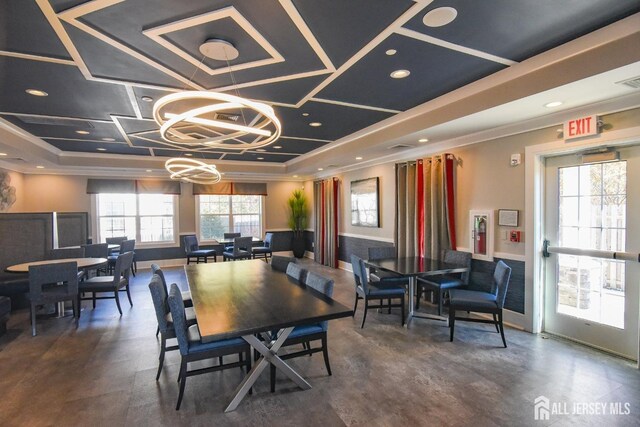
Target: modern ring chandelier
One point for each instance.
(192, 170)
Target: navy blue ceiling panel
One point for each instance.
(294, 146)
(519, 29)
(92, 147)
(24, 29)
(67, 129)
(434, 71)
(132, 125)
(70, 94)
(337, 120)
(344, 27)
(254, 157)
(160, 152)
(286, 92)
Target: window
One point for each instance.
(229, 214)
(149, 218)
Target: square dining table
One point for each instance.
(248, 298)
(412, 267)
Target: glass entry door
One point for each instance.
(593, 206)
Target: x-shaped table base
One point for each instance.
(269, 352)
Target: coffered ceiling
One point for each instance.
(103, 63)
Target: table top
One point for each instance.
(110, 247)
(230, 241)
(82, 263)
(238, 298)
(416, 266)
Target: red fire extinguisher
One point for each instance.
(481, 235)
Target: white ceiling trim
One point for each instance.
(305, 139)
(77, 119)
(452, 46)
(134, 101)
(37, 58)
(348, 104)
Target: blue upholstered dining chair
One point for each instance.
(241, 249)
(370, 291)
(192, 249)
(229, 236)
(265, 250)
(296, 272)
(306, 334)
(384, 278)
(443, 283)
(482, 302)
(52, 283)
(186, 295)
(192, 349)
(64, 253)
(107, 284)
(280, 263)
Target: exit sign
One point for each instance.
(580, 127)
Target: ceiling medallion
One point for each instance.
(192, 170)
(219, 116)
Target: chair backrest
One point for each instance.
(296, 272)
(267, 240)
(231, 235)
(127, 246)
(190, 243)
(176, 306)
(242, 244)
(381, 252)
(280, 263)
(115, 240)
(156, 270)
(459, 258)
(63, 253)
(320, 284)
(501, 276)
(122, 268)
(98, 250)
(63, 274)
(159, 296)
(359, 273)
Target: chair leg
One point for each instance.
(129, 296)
(366, 308)
(495, 319)
(93, 295)
(220, 360)
(452, 321)
(157, 331)
(355, 306)
(272, 378)
(118, 301)
(163, 344)
(33, 319)
(504, 341)
(402, 312)
(418, 293)
(389, 304)
(183, 381)
(440, 299)
(325, 353)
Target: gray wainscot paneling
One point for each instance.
(73, 228)
(481, 279)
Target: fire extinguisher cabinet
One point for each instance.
(481, 226)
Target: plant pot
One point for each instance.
(298, 246)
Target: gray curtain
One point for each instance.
(119, 186)
(436, 234)
(237, 188)
(326, 209)
(157, 186)
(405, 229)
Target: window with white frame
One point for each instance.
(148, 218)
(219, 214)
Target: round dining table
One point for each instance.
(82, 263)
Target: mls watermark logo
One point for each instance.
(544, 408)
(541, 408)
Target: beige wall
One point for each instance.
(276, 208)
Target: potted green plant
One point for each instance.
(298, 213)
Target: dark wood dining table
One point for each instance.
(412, 267)
(248, 298)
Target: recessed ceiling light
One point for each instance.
(148, 170)
(147, 99)
(277, 147)
(101, 149)
(260, 158)
(400, 74)
(423, 140)
(295, 176)
(391, 52)
(36, 92)
(3, 154)
(39, 167)
(305, 114)
(188, 154)
(82, 132)
(553, 104)
(439, 17)
(320, 169)
(358, 158)
(315, 124)
(109, 139)
(261, 150)
(221, 173)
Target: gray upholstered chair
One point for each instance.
(117, 240)
(367, 291)
(441, 284)
(96, 250)
(305, 334)
(116, 283)
(265, 250)
(52, 283)
(241, 249)
(192, 349)
(296, 272)
(280, 263)
(229, 236)
(186, 295)
(125, 246)
(159, 295)
(482, 302)
(384, 277)
(64, 253)
(192, 249)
